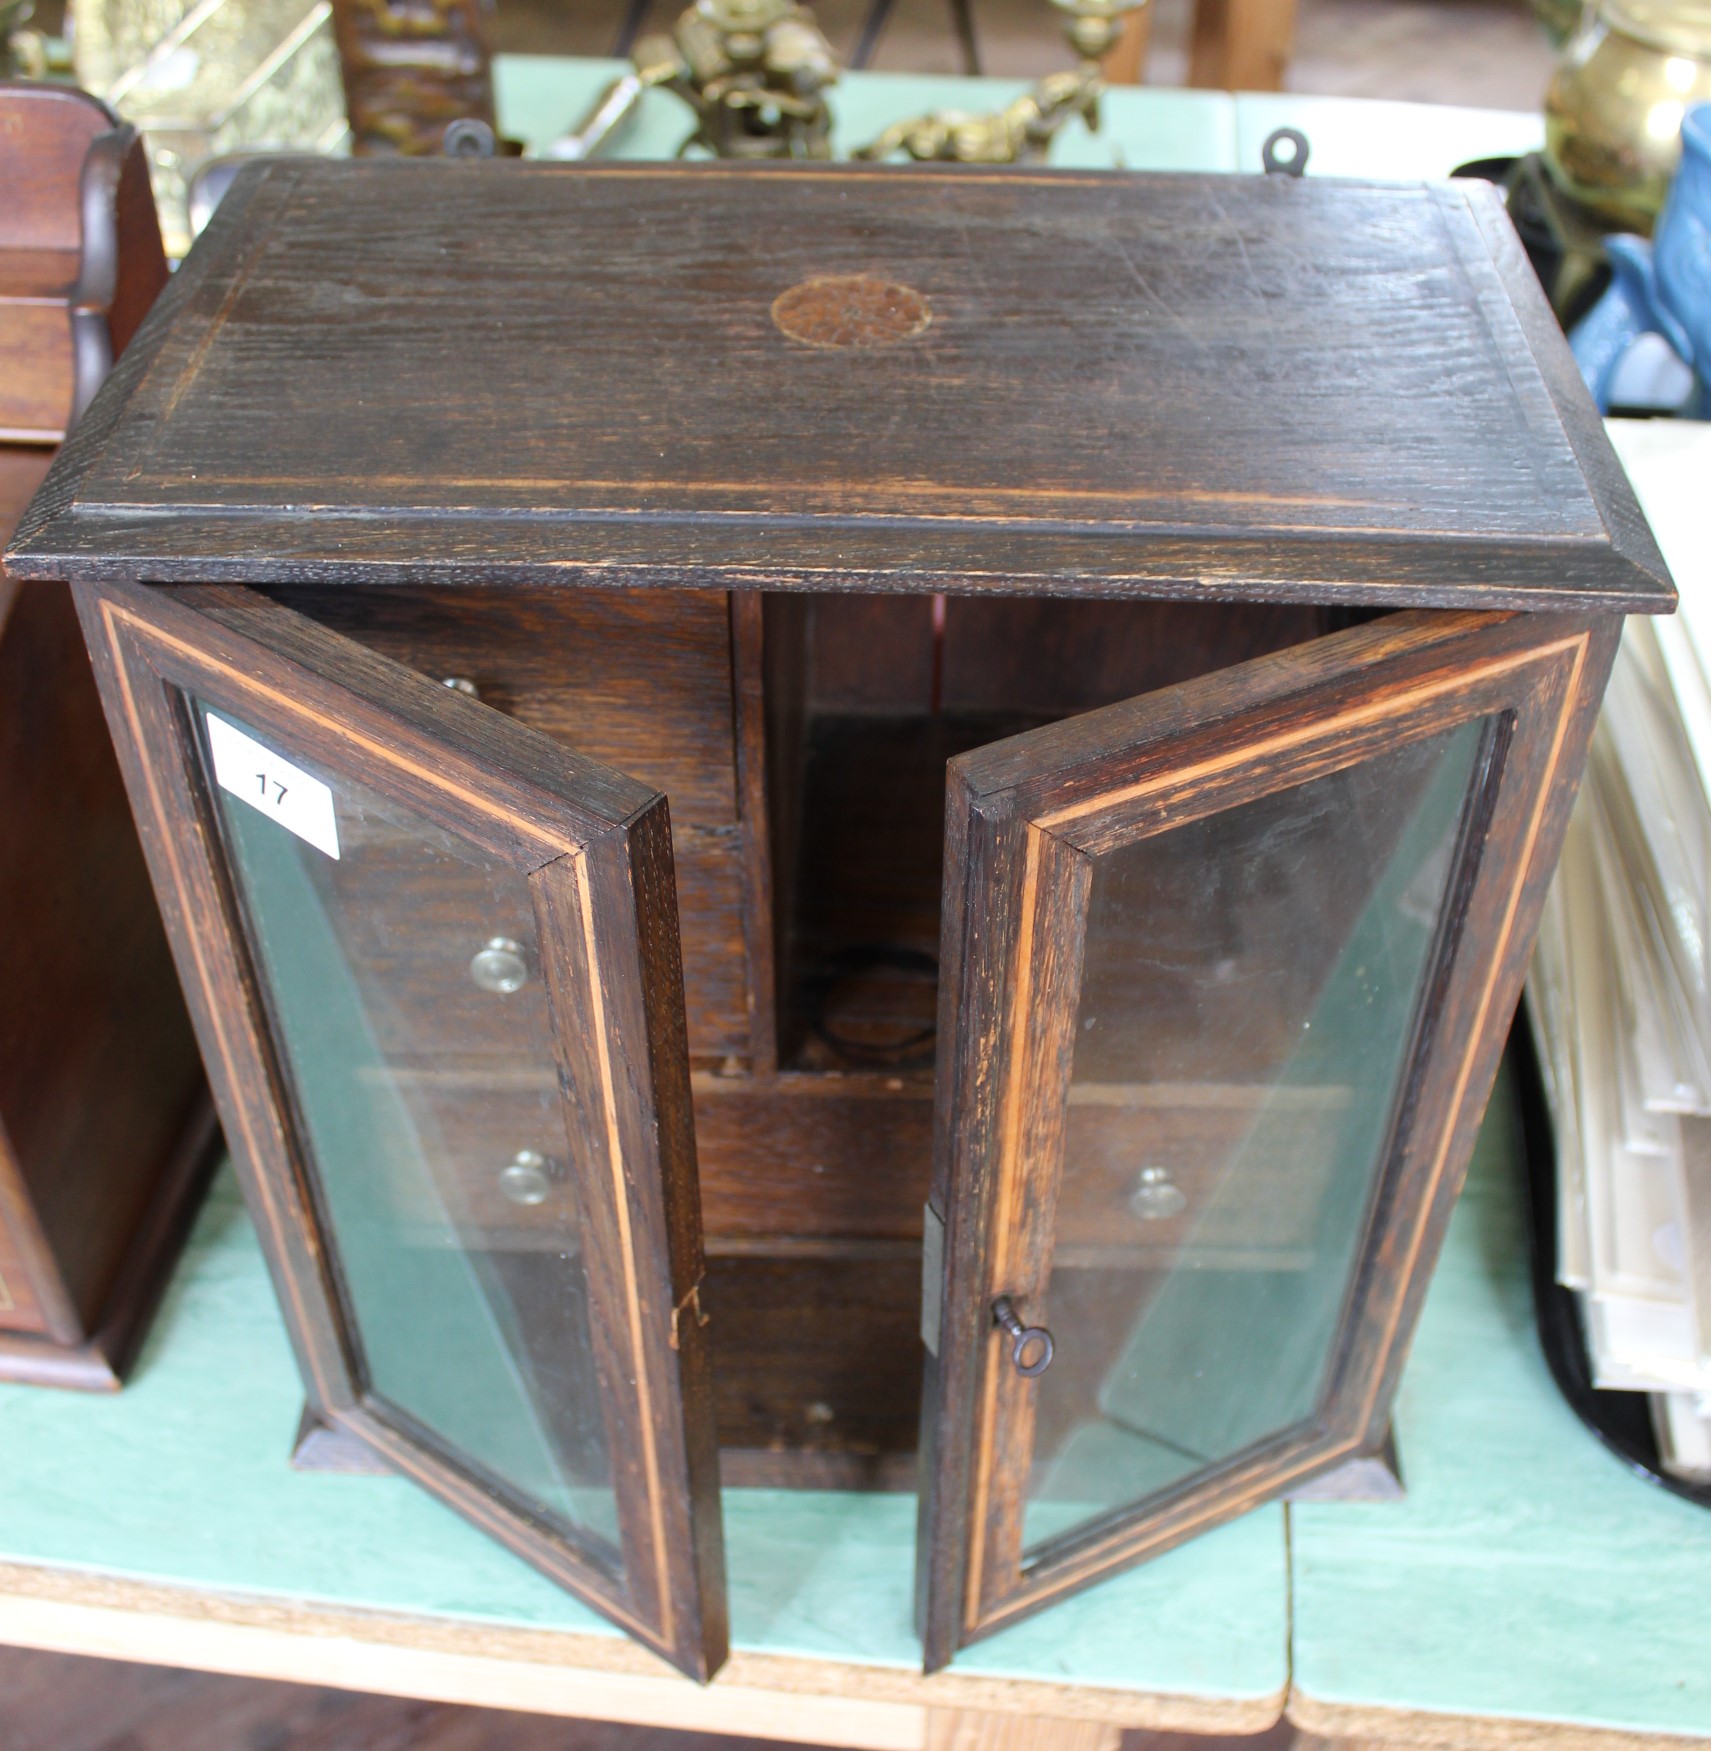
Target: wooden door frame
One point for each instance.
(1023, 820)
(595, 849)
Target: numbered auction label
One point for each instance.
(281, 791)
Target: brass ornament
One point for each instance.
(1022, 132)
(755, 73)
(1614, 106)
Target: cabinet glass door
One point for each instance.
(1226, 972)
(438, 981)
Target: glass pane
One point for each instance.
(403, 977)
(1250, 986)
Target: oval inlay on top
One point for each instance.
(851, 310)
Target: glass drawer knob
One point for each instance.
(524, 1178)
(1154, 1198)
(500, 966)
(1031, 1346)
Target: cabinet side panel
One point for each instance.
(98, 1065)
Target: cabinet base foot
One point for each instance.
(101, 1363)
(321, 1447)
(1368, 1477)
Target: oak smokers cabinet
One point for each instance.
(762, 778)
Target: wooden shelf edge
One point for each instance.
(478, 1679)
(1430, 1731)
(825, 1702)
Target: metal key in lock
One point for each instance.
(1022, 1337)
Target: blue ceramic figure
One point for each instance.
(1660, 288)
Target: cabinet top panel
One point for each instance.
(924, 378)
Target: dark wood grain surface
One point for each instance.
(104, 1134)
(98, 1066)
(1166, 385)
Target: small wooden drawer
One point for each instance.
(791, 1157)
(1223, 1170)
(819, 1368)
(479, 1154)
(637, 680)
(794, 1164)
(786, 1163)
(411, 922)
(847, 1158)
(417, 984)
